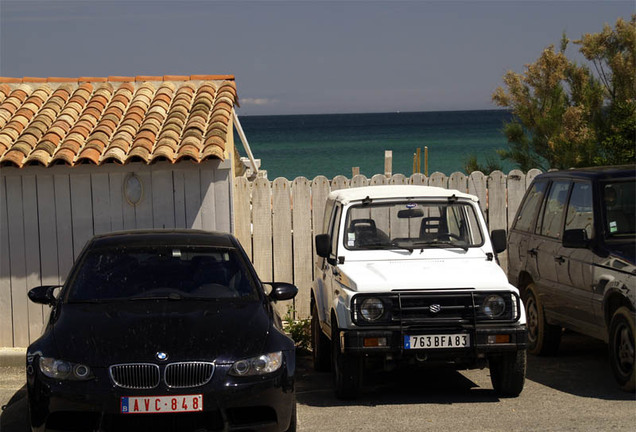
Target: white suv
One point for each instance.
(409, 274)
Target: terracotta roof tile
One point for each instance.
(55, 120)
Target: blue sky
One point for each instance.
(302, 57)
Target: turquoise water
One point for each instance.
(331, 144)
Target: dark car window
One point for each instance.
(160, 271)
(580, 212)
(619, 208)
(530, 206)
(552, 221)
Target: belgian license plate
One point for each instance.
(161, 404)
(460, 340)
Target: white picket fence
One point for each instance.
(276, 221)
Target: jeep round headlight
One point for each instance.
(372, 309)
(493, 306)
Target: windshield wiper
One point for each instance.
(440, 244)
(171, 296)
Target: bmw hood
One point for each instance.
(372, 276)
(104, 334)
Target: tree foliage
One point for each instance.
(571, 115)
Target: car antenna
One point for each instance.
(366, 201)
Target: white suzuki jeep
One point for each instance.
(409, 275)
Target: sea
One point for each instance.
(291, 146)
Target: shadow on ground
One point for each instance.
(580, 368)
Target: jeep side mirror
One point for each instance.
(499, 241)
(575, 238)
(323, 245)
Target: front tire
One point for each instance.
(346, 368)
(508, 373)
(319, 344)
(293, 422)
(543, 338)
(621, 345)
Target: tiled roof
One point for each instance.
(72, 121)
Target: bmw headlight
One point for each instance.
(372, 309)
(261, 365)
(493, 306)
(63, 370)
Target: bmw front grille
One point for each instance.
(188, 374)
(135, 375)
(140, 376)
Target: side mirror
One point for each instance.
(323, 245)
(43, 294)
(499, 241)
(282, 291)
(575, 238)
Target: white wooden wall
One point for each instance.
(48, 214)
(276, 221)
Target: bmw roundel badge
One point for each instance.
(162, 356)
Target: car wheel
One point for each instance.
(543, 338)
(346, 368)
(508, 373)
(293, 422)
(621, 344)
(319, 344)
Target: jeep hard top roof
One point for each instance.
(396, 192)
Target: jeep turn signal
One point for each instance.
(497, 339)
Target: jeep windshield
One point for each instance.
(412, 225)
(619, 209)
(147, 273)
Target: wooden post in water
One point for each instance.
(419, 160)
(355, 171)
(426, 161)
(388, 163)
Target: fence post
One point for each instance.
(302, 242)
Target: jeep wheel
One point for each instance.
(346, 368)
(621, 345)
(319, 344)
(508, 373)
(543, 338)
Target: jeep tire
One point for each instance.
(508, 373)
(543, 338)
(621, 347)
(319, 344)
(346, 368)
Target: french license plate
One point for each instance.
(460, 340)
(161, 404)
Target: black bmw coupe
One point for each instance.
(162, 330)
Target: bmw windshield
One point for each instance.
(160, 273)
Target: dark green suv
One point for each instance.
(571, 253)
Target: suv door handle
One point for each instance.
(559, 259)
(533, 252)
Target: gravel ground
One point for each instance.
(574, 391)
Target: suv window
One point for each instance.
(531, 206)
(552, 220)
(619, 208)
(580, 214)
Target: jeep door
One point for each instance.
(329, 268)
